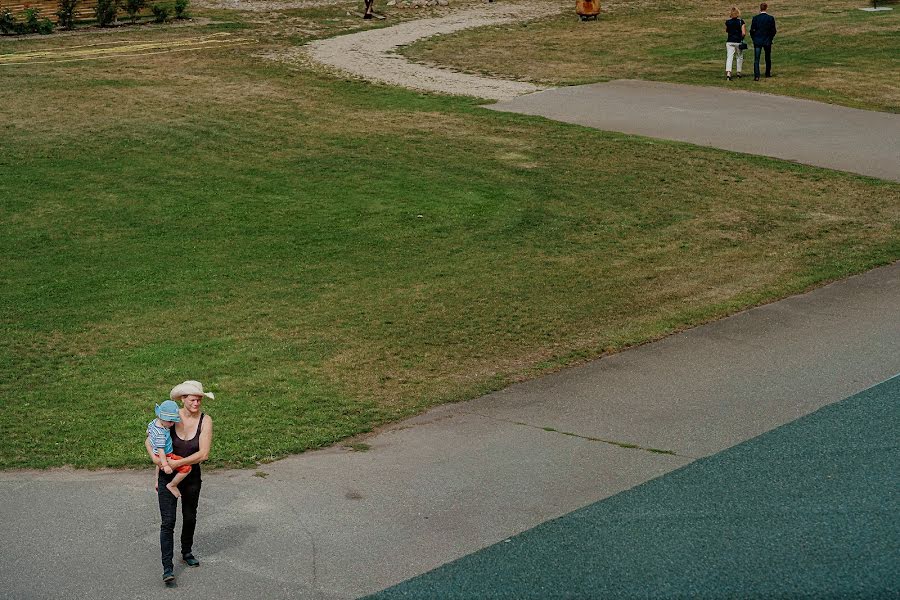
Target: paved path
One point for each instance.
(340, 524)
(809, 510)
(809, 132)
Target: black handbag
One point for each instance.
(742, 46)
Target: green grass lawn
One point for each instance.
(825, 50)
(328, 255)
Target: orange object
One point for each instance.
(182, 468)
(587, 8)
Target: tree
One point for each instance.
(106, 12)
(133, 7)
(66, 13)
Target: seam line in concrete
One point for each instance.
(626, 445)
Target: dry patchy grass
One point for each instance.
(329, 255)
(825, 50)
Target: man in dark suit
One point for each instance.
(762, 31)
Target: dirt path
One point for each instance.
(263, 6)
(372, 54)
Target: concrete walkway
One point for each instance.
(808, 132)
(340, 524)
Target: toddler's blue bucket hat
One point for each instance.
(168, 411)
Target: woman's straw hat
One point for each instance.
(189, 388)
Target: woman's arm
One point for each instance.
(205, 445)
(743, 30)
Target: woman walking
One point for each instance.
(192, 439)
(736, 30)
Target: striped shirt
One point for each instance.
(160, 437)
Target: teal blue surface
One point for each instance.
(808, 510)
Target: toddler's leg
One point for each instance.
(156, 479)
(172, 486)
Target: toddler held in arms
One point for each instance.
(161, 440)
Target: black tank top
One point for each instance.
(185, 448)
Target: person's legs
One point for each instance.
(768, 60)
(729, 57)
(190, 498)
(168, 504)
(757, 50)
(740, 61)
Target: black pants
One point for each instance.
(168, 506)
(757, 50)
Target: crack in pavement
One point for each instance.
(626, 445)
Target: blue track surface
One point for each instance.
(808, 510)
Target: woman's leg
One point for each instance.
(168, 504)
(740, 61)
(729, 57)
(190, 498)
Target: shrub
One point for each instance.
(45, 26)
(133, 7)
(181, 9)
(160, 12)
(66, 13)
(8, 23)
(32, 25)
(35, 25)
(106, 12)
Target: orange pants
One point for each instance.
(182, 468)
